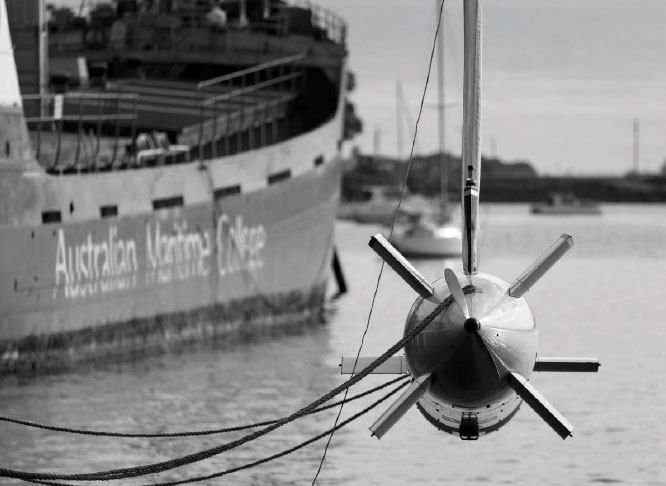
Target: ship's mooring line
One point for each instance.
(207, 453)
(265, 459)
(196, 433)
(395, 217)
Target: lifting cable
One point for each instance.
(196, 433)
(395, 217)
(264, 460)
(207, 453)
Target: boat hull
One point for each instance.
(115, 285)
(565, 210)
(228, 232)
(565, 204)
(429, 243)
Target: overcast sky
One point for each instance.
(563, 79)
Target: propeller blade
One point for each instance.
(396, 365)
(456, 291)
(471, 153)
(567, 364)
(402, 267)
(541, 265)
(409, 397)
(540, 405)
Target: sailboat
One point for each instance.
(426, 237)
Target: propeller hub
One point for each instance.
(472, 324)
(465, 372)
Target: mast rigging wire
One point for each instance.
(395, 217)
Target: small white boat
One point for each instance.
(425, 238)
(379, 206)
(563, 204)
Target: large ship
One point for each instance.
(169, 172)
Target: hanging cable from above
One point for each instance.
(395, 217)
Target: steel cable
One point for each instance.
(265, 459)
(196, 433)
(393, 221)
(205, 454)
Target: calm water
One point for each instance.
(605, 298)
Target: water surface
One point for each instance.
(605, 299)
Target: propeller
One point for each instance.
(471, 324)
(456, 291)
(473, 349)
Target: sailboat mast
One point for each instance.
(42, 53)
(376, 140)
(398, 117)
(443, 174)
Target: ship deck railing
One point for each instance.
(81, 132)
(173, 106)
(282, 79)
(95, 141)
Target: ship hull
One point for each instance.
(138, 245)
(240, 264)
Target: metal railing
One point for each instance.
(90, 114)
(225, 110)
(327, 20)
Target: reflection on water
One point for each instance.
(605, 298)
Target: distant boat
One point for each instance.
(377, 205)
(564, 203)
(427, 238)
